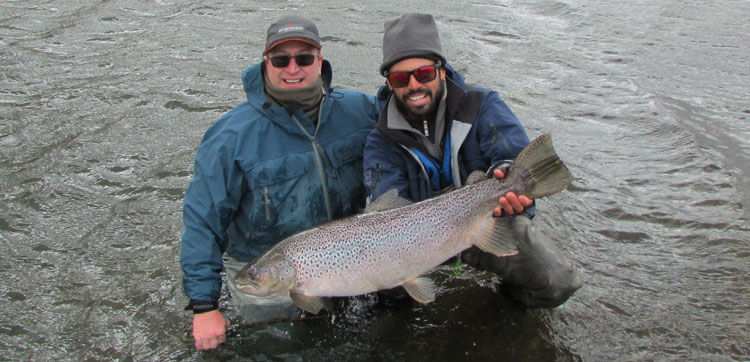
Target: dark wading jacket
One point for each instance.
(262, 174)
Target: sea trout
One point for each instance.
(395, 242)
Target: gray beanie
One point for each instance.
(410, 36)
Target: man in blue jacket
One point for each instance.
(433, 132)
(287, 159)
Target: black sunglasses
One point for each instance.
(302, 60)
(422, 75)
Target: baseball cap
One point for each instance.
(292, 27)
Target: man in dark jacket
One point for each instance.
(433, 132)
(286, 160)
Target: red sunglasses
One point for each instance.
(422, 75)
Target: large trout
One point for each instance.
(394, 243)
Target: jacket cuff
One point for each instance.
(202, 306)
(503, 165)
(530, 211)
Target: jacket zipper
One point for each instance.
(319, 162)
(268, 203)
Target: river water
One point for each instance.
(103, 104)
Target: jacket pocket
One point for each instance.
(273, 186)
(347, 151)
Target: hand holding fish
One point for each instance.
(510, 203)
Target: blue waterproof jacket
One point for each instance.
(262, 174)
(483, 131)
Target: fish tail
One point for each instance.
(539, 169)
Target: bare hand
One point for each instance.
(209, 329)
(510, 203)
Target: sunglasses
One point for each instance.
(302, 60)
(422, 75)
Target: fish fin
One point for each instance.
(422, 289)
(541, 168)
(387, 201)
(498, 239)
(475, 177)
(310, 304)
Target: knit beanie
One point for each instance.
(410, 36)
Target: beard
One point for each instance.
(419, 112)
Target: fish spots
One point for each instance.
(365, 252)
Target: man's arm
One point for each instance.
(210, 201)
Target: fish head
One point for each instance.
(266, 276)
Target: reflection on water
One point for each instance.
(104, 103)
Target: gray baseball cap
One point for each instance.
(292, 27)
(410, 36)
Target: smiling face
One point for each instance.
(417, 99)
(293, 75)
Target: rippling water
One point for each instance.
(103, 104)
